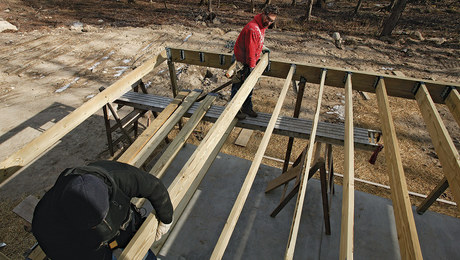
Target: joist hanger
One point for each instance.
(416, 87)
(377, 80)
(168, 53)
(445, 93)
(348, 73)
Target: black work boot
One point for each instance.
(240, 115)
(250, 112)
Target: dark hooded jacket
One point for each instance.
(64, 227)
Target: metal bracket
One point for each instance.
(322, 70)
(416, 87)
(267, 69)
(295, 68)
(168, 53)
(303, 79)
(445, 93)
(377, 81)
(182, 55)
(222, 59)
(346, 76)
(201, 57)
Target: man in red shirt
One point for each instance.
(248, 47)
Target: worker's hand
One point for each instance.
(265, 50)
(161, 230)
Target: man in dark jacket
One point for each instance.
(247, 50)
(87, 213)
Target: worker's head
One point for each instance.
(84, 200)
(269, 15)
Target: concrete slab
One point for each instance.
(258, 236)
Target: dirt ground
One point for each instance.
(63, 52)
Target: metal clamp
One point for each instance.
(182, 55)
(201, 57)
(416, 87)
(222, 59)
(267, 69)
(377, 80)
(445, 93)
(346, 76)
(168, 53)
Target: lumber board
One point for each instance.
(174, 147)
(43, 142)
(453, 103)
(173, 76)
(348, 195)
(433, 196)
(141, 141)
(442, 142)
(409, 245)
(331, 133)
(290, 248)
(26, 208)
(193, 171)
(243, 137)
(364, 81)
(164, 130)
(37, 254)
(226, 233)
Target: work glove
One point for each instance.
(265, 50)
(161, 230)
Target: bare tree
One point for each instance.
(309, 7)
(358, 6)
(391, 22)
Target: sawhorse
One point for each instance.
(295, 172)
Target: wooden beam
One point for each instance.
(364, 81)
(409, 246)
(304, 179)
(348, 195)
(43, 142)
(174, 147)
(453, 103)
(224, 238)
(134, 149)
(155, 140)
(442, 142)
(193, 171)
(243, 137)
(433, 196)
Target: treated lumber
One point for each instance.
(243, 137)
(154, 141)
(134, 149)
(231, 70)
(193, 171)
(433, 196)
(43, 142)
(409, 245)
(442, 142)
(224, 238)
(173, 76)
(453, 103)
(363, 81)
(174, 147)
(304, 180)
(348, 195)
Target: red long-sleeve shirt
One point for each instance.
(249, 44)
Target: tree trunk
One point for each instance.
(358, 6)
(390, 6)
(309, 7)
(293, 3)
(392, 20)
(209, 6)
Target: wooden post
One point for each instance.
(303, 183)
(453, 103)
(409, 246)
(442, 142)
(173, 76)
(194, 170)
(348, 196)
(43, 142)
(224, 238)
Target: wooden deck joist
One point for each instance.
(363, 81)
(331, 133)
